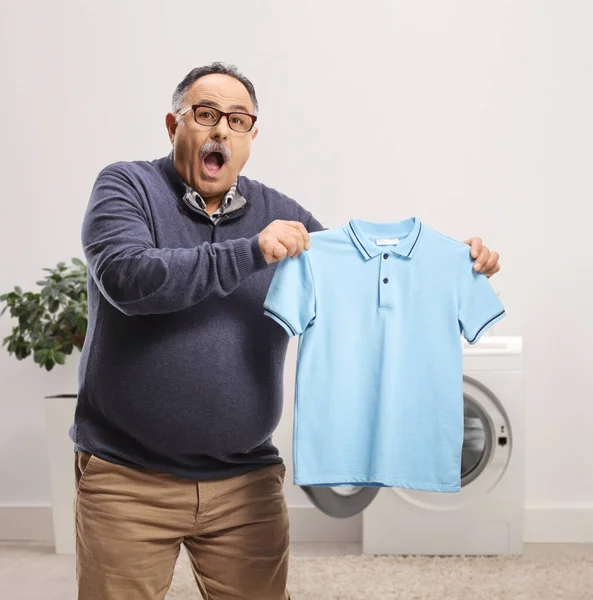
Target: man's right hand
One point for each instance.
(283, 238)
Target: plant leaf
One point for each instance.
(41, 356)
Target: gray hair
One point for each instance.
(216, 67)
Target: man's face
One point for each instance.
(210, 173)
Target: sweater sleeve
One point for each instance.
(138, 278)
(313, 224)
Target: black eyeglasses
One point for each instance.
(208, 116)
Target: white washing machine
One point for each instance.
(486, 515)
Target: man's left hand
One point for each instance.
(484, 260)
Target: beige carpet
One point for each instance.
(423, 578)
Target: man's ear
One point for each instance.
(171, 124)
(254, 133)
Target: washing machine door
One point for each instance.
(487, 447)
(340, 501)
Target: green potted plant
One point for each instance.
(53, 321)
(50, 324)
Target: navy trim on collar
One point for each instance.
(405, 248)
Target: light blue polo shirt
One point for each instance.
(380, 308)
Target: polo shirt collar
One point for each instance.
(406, 247)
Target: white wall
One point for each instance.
(474, 116)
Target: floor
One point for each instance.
(54, 575)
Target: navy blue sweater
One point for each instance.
(181, 371)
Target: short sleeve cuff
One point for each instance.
(282, 322)
(473, 340)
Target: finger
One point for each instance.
(475, 244)
(496, 269)
(268, 250)
(482, 259)
(298, 237)
(279, 251)
(491, 262)
(289, 241)
(303, 230)
(299, 229)
(272, 248)
(306, 239)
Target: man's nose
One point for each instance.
(221, 129)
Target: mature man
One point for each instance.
(180, 381)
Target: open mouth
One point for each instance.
(213, 162)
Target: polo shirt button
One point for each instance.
(385, 280)
(386, 256)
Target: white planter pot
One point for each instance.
(59, 416)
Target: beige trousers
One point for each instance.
(131, 522)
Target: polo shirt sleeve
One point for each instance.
(478, 306)
(290, 300)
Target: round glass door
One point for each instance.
(477, 439)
